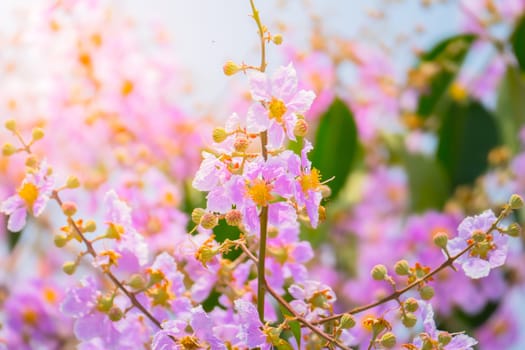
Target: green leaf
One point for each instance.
(428, 182)
(335, 145)
(295, 326)
(448, 55)
(510, 110)
(222, 232)
(518, 42)
(468, 132)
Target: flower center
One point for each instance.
(189, 343)
(29, 193)
(277, 109)
(310, 181)
(50, 295)
(260, 192)
(30, 316)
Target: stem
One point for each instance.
(257, 19)
(263, 219)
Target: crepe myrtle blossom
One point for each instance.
(432, 338)
(32, 195)
(312, 299)
(279, 101)
(489, 249)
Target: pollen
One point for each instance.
(310, 181)
(277, 109)
(190, 343)
(29, 193)
(30, 317)
(260, 192)
(127, 88)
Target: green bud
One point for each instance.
(277, 39)
(37, 134)
(10, 125)
(90, 226)
(219, 135)
(69, 267)
(72, 182)
(379, 272)
(441, 240)
(8, 150)
(402, 268)
(411, 305)
(514, 230)
(444, 338)
(516, 202)
(60, 240)
(347, 321)
(69, 208)
(230, 68)
(388, 340)
(137, 281)
(427, 292)
(409, 320)
(233, 217)
(104, 303)
(115, 314)
(209, 221)
(197, 214)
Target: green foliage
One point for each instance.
(518, 42)
(335, 145)
(224, 231)
(468, 132)
(448, 55)
(510, 110)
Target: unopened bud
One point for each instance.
(219, 135)
(115, 314)
(104, 303)
(388, 340)
(326, 191)
(277, 39)
(37, 134)
(10, 125)
(444, 338)
(230, 68)
(69, 267)
(90, 226)
(209, 221)
(301, 128)
(402, 268)
(241, 144)
(379, 272)
(72, 182)
(233, 217)
(137, 281)
(409, 320)
(441, 239)
(516, 202)
(69, 208)
(8, 150)
(31, 162)
(347, 321)
(197, 214)
(411, 305)
(60, 240)
(426, 293)
(514, 230)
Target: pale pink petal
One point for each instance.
(284, 83)
(259, 86)
(17, 220)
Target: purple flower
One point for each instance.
(489, 249)
(32, 195)
(250, 332)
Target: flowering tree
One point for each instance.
(397, 227)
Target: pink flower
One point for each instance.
(31, 196)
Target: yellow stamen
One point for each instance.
(189, 343)
(29, 193)
(277, 109)
(127, 88)
(260, 192)
(50, 295)
(310, 181)
(30, 316)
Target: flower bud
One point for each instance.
(90, 226)
(31, 162)
(209, 221)
(516, 202)
(402, 268)
(379, 272)
(69, 208)
(230, 68)
(72, 182)
(37, 134)
(409, 320)
(10, 125)
(347, 321)
(60, 240)
(444, 338)
(411, 305)
(426, 293)
(326, 191)
(301, 128)
(277, 39)
(104, 303)
(115, 314)
(69, 267)
(233, 217)
(514, 230)
(219, 135)
(8, 150)
(322, 213)
(388, 340)
(441, 240)
(241, 144)
(137, 281)
(197, 214)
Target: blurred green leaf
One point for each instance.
(428, 182)
(224, 231)
(448, 55)
(468, 132)
(518, 42)
(510, 110)
(295, 326)
(335, 145)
